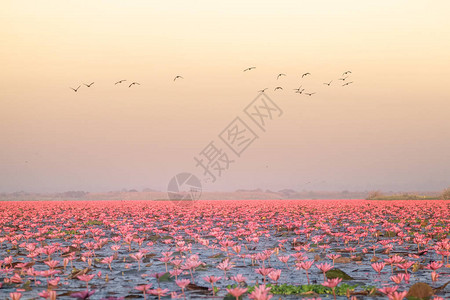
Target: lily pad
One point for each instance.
(338, 273)
(165, 277)
(420, 290)
(343, 260)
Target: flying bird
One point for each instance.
(120, 81)
(76, 90)
(278, 88)
(248, 69)
(343, 78)
(262, 91)
(346, 72)
(281, 74)
(306, 74)
(298, 90)
(328, 83)
(88, 85)
(309, 94)
(134, 83)
(347, 83)
(178, 76)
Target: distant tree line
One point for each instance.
(378, 195)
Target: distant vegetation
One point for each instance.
(377, 195)
(446, 194)
(260, 194)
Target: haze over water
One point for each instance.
(388, 130)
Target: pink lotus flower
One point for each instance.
(82, 295)
(275, 275)
(388, 289)
(284, 259)
(406, 277)
(115, 248)
(182, 283)
(212, 279)
(264, 272)
(52, 263)
(225, 266)
(398, 278)
(305, 265)
(260, 292)
(237, 292)
(54, 282)
(434, 276)
(145, 289)
(332, 283)
(138, 256)
(324, 267)
(16, 278)
(159, 292)
(175, 273)
(397, 296)
(405, 265)
(434, 265)
(86, 278)
(15, 295)
(108, 260)
(238, 278)
(378, 267)
(48, 294)
(8, 261)
(333, 257)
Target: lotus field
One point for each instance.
(288, 249)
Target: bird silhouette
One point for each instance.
(120, 81)
(281, 74)
(347, 83)
(346, 72)
(263, 90)
(133, 83)
(178, 76)
(309, 94)
(298, 90)
(328, 83)
(76, 90)
(88, 85)
(343, 78)
(278, 88)
(248, 69)
(306, 74)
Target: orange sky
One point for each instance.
(388, 130)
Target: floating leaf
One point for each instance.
(420, 290)
(343, 260)
(165, 277)
(338, 273)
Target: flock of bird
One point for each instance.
(119, 82)
(299, 90)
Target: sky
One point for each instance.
(388, 130)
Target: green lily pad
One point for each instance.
(165, 277)
(338, 273)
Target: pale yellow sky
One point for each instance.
(388, 130)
